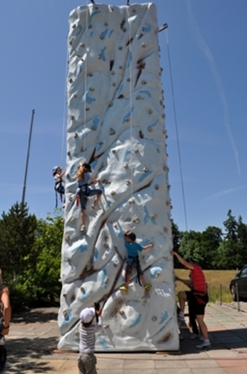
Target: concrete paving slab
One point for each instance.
(33, 338)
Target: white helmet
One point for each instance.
(54, 169)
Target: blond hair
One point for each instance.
(80, 172)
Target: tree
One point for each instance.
(40, 280)
(176, 236)
(17, 236)
(210, 241)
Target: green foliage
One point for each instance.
(17, 237)
(213, 249)
(40, 280)
(30, 256)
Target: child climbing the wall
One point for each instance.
(133, 260)
(87, 360)
(58, 179)
(83, 191)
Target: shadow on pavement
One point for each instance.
(234, 339)
(35, 315)
(23, 354)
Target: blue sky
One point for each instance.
(207, 41)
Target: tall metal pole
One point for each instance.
(27, 160)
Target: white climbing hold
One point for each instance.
(106, 280)
(113, 193)
(126, 165)
(145, 169)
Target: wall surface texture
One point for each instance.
(116, 123)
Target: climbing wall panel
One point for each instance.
(116, 123)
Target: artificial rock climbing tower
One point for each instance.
(116, 123)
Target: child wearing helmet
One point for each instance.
(83, 191)
(58, 180)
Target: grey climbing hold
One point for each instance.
(112, 131)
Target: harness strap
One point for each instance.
(135, 259)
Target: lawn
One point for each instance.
(218, 283)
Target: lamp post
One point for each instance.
(27, 160)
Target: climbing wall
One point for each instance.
(116, 123)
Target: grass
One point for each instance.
(218, 283)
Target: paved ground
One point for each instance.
(33, 339)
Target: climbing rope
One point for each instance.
(130, 110)
(85, 81)
(64, 110)
(177, 135)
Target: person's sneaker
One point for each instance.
(182, 324)
(83, 229)
(204, 345)
(123, 288)
(147, 286)
(193, 336)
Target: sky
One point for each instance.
(204, 61)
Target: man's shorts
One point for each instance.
(198, 302)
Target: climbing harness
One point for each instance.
(59, 188)
(135, 262)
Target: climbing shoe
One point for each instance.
(123, 288)
(147, 286)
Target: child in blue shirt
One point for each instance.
(133, 260)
